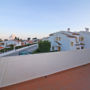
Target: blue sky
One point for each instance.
(40, 17)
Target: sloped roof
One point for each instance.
(1, 47)
(70, 36)
(75, 34)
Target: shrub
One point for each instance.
(5, 50)
(11, 46)
(44, 46)
(17, 47)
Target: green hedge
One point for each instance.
(44, 46)
(5, 50)
(18, 47)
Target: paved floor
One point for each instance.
(73, 79)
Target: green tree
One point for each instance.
(44, 46)
(28, 39)
(16, 38)
(11, 46)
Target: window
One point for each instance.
(81, 38)
(59, 48)
(72, 43)
(78, 48)
(82, 47)
(52, 48)
(58, 38)
(76, 40)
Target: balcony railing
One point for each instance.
(78, 44)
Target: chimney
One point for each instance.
(87, 29)
(68, 29)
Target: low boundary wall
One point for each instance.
(17, 69)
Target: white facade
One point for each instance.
(86, 36)
(66, 40)
(9, 42)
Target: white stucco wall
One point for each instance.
(21, 68)
(53, 43)
(65, 43)
(86, 36)
(87, 41)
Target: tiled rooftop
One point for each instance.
(73, 79)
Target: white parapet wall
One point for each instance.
(17, 69)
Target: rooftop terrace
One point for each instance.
(73, 79)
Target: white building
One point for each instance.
(11, 41)
(66, 40)
(6, 44)
(86, 36)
